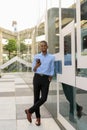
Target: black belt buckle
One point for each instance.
(41, 74)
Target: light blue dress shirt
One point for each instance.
(47, 64)
(67, 59)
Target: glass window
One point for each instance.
(83, 9)
(67, 50)
(68, 11)
(67, 102)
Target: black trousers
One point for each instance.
(69, 94)
(40, 88)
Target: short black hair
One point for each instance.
(44, 42)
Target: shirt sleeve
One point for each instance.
(52, 66)
(34, 63)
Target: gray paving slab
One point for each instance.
(15, 97)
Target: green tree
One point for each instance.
(23, 47)
(11, 47)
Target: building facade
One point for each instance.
(65, 31)
(63, 24)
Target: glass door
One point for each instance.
(67, 48)
(81, 9)
(66, 80)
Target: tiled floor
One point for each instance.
(15, 96)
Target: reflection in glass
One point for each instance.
(82, 72)
(69, 108)
(68, 11)
(84, 41)
(67, 102)
(83, 10)
(67, 50)
(58, 67)
(81, 97)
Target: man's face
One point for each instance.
(43, 47)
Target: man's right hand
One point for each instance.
(38, 63)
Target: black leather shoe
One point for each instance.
(79, 112)
(38, 122)
(28, 115)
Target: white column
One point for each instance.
(1, 51)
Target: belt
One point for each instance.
(42, 75)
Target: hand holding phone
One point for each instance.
(38, 60)
(38, 63)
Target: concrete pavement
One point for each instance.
(15, 97)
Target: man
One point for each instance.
(69, 93)
(43, 67)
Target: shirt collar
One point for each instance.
(44, 55)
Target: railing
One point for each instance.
(16, 58)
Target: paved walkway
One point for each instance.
(15, 97)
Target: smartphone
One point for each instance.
(38, 60)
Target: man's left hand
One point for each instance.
(50, 78)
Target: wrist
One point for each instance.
(35, 68)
